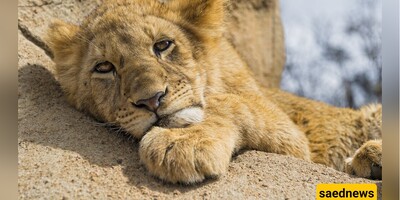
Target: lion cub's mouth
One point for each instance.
(181, 118)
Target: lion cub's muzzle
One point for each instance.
(181, 118)
(176, 119)
(152, 103)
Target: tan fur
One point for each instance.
(212, 105)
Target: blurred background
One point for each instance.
(333, 50)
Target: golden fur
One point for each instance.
(210, 105)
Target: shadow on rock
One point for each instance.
(45, 118)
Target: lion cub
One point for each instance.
(163, 71)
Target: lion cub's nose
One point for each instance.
(151, 103)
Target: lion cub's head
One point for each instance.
(139, 63)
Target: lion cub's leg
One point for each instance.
(367, 161)
(189, 155)
(270, 129)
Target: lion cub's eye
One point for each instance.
(104, 67)
(161, 46)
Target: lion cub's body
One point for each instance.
(211, 106)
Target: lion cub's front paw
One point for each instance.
(367, 161)
(175, 156)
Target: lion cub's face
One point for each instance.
(135, 64)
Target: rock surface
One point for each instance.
(255, 30)
(64, 154)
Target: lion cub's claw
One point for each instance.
(367, 161)
(177, 158)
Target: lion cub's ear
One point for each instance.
(208, 14)
(61, 39)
